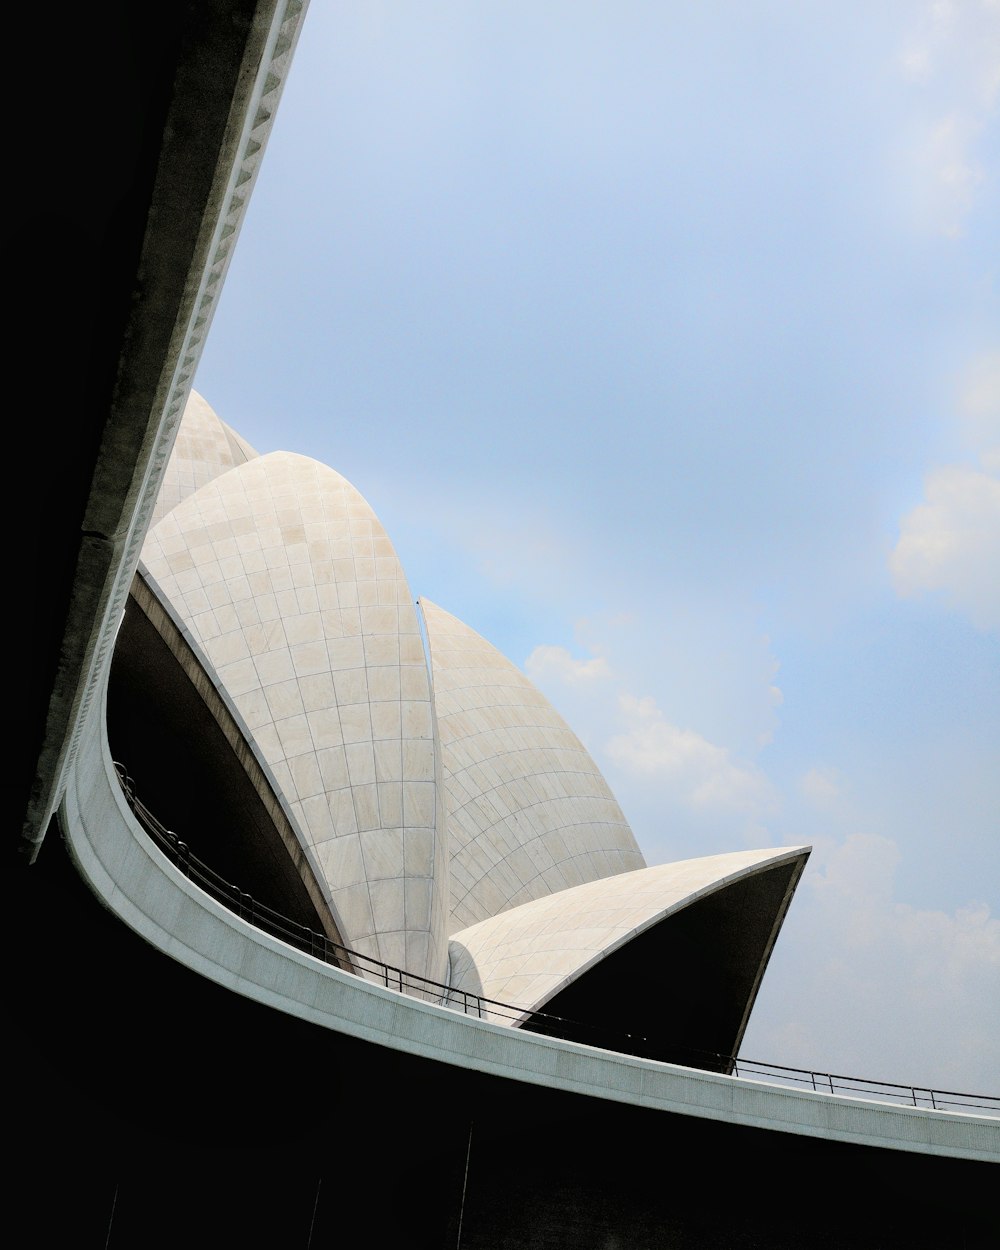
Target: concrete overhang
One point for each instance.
(130, 229)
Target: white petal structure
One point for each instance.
(204, 448)
(430, 794)
(529, 954)
(529, 813)
(288, 583)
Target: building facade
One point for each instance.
(190, 1076)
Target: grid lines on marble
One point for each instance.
(529, 812)
(528, 954)
(204, 448)
(289, 584)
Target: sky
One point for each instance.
(664, 340)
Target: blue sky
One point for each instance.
(665, 341)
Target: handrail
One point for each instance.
(321, 947)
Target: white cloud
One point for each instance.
(774, 699)
(867, 985)
(556, 664)
(935, 959)
(915, 62)
(951, 544)
(979, 405)
(694, 770)
(857, 876)
(821, 787)
(955, 174)
(953, 55)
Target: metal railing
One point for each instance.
(866, 1087)
(321, 947)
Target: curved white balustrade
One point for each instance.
(138, 884)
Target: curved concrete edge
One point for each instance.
(139, 885)
(173, 302)
(284, 573)
(546, 926)
(145, 583)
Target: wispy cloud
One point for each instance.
(862, 958)
(979, 409)
(697, 771)
(955, 174)
(821, 787)
(936, 961)
(676, 777)
(951, 542)
(556, 663)
(953, 55)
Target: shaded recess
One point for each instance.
(682, 991)
(193, 769)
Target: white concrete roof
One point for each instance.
(204, 448)
(290, 586)
(525, 956)
(528, 810)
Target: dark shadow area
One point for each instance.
(192, 768)
(682, 991)
(164, 1110)
(113, 224)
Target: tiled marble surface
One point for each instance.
(528, 811)
(205, 447)
(291, 587)
(526, 955)
(425, 813)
